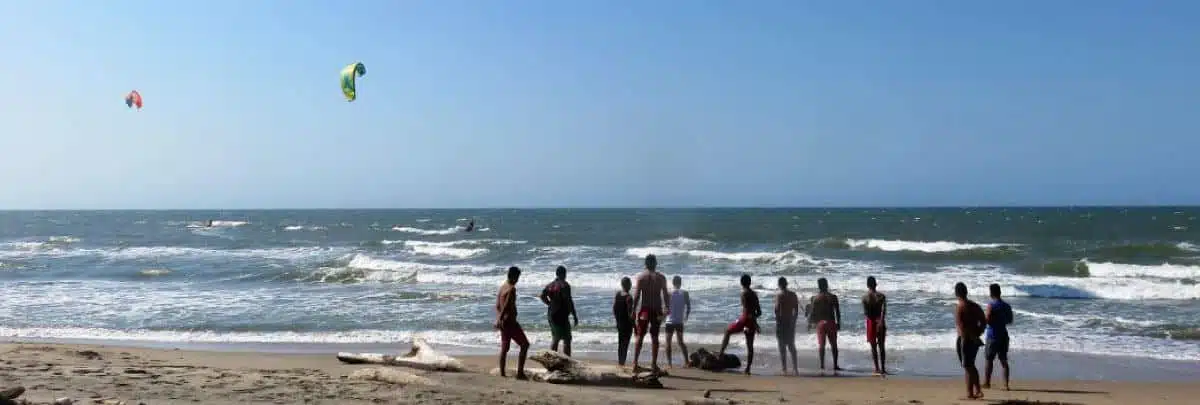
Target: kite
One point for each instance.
(132, 99)
(349, 74)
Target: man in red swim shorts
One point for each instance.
(875, 308)
(826, 314)
(506, 323)
(652, 300)
(747, 322)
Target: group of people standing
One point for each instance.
(644, 303)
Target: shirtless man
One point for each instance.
(682, 302)
(787, 312)
(747, 322)
(970, 321)
(826, 315)
(559, 305)
(650, 297)
(875, 309)
(999, 316)
(506, 323)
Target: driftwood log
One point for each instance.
(561, 369)
(422, 357)
(390, 375)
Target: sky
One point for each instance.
(589, 103)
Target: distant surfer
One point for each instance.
(208, 224)
(875, 308)
(826, 315)
(999, 316)
(471, 226)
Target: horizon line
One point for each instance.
(619, 207)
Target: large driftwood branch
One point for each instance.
(422, 356)
(561, 369)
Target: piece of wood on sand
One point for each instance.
(390, 375)
(561, 369)
(421, 357)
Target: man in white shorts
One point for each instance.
(681, 305)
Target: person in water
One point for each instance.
(826, 315)
(747, 322)
(999, 316)
(650, 297)
(623, 313)
(681, 302)
(970, 322)
(506, 323)
(471, 226)
(787, 312)
(559, 305)
(875, 309)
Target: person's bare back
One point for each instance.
(823, 307)
(650, 287)
(787, 306)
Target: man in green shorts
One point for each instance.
(560, 305)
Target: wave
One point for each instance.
(1163, 271)
(790, 257)
(928, 249)
(217, 224)
(444, 249)
(303, 228)
(683, 243)
(427, 232)
(1154, 251)
(156, 252)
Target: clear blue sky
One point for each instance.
(599, 103)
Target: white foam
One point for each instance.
(426, 232)
(781, 258)
(920, 246)
(1169, 271)
(444, 249)
(303, 228)
(1188, 246)
(217, 224)
(152, 252)
(683, 243)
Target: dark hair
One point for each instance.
(822, 284)
(677, 280)
(960, 290)
(514, 272)
(561, 272)
(782, 282)
(625, 283)
(745, 280)
(995, 290)
(651, 262)
(870, 281)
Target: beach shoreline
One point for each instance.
(176, 376)
(913, 364)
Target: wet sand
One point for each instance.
(89, 373)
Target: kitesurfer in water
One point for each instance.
(471, 226)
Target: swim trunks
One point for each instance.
(996, 348)
(744, 324)
(512, 332)
(875, 329)
(647, 319)
(967, 351)
(826, 330)
(561, 331)
(674, 328)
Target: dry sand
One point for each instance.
(90, 374)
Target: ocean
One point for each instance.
(1115, 284)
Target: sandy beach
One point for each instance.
(92, 374)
